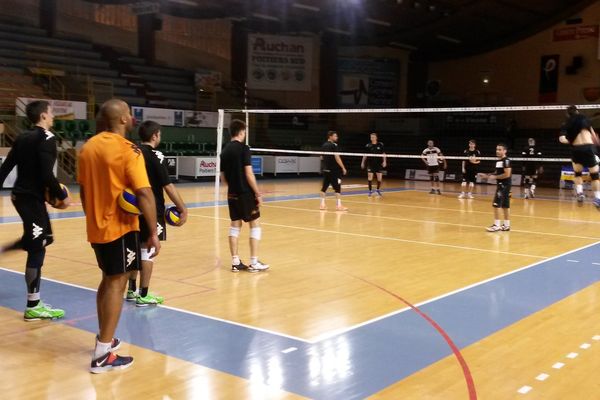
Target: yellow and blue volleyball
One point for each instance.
(53, 201)
(128, 202)
(172, 215)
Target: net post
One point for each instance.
(220, 123)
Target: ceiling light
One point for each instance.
(378, 22)
(185, 2)
(306, 7)
(265, 16)
(403, 45)
(449, 39)
(340, 31)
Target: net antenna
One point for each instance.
(247, 112)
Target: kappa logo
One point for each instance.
(49, 135)
(36, 231)
(159, 229)
(159, 155)
(130, 256)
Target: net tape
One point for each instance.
(417, 156)
(412, 110)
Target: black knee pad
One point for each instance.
(595, 175)
(35, 259)
(431, 178)
(580, 173)
(436, 178)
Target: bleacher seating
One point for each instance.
(13, 84)
(24, 46)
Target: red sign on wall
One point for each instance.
(576, 33)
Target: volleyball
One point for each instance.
(172, 215)
(54, 202)
(128, 202)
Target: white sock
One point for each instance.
(462, 193)
(532, 188)
(339, 202)
(507, 223)
(101, 349)
(253, 260)
(497, 222)
(579, 189)
(469, 193)
(33, 296)
(235, 260)
(597, 194)
(322, 201)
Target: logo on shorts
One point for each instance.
(130, 257)
(159, 229)
(37, 231)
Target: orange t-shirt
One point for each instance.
(109, 163)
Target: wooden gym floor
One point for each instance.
(402, 297)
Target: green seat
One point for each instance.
(58, 126)
(84, 125)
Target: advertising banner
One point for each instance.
(549, 69)
(163, 116)
(576, 33)
(172, 166)
(257, 165)
(205, 119)
(367, 83)
(63, 109)
(279, 62)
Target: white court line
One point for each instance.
(573, 261)
(400, 311)
(542, 377)
(585, 346)
(381, 237)
(468, 211)
(572, 355)
(180, 310)
(289, 350)
(596, 337)
(558, 365)
(525, 389)
(437, 222)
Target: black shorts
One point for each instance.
(161, 227)
(584, 155)
(243, 206)
(333, 178)
(433, 169)
(470, 175)
(37, 230)
(502, 196)
(375, 168)
(119, 256)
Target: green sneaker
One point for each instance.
(131, 295)
(149, 300)
(42, 311)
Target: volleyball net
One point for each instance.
(293, 138)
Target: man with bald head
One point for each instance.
(108, 164)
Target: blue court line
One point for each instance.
(351, 365)
(205, 204)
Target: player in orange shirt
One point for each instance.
(108, 164)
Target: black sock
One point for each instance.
(32, 303)
(143, 292)
(378, 185)
(370, 185)
(132, 285)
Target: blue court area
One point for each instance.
(350, 365)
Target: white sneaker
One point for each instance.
(461, 196)
(259, 266)
(493, 228)
(470, 196)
